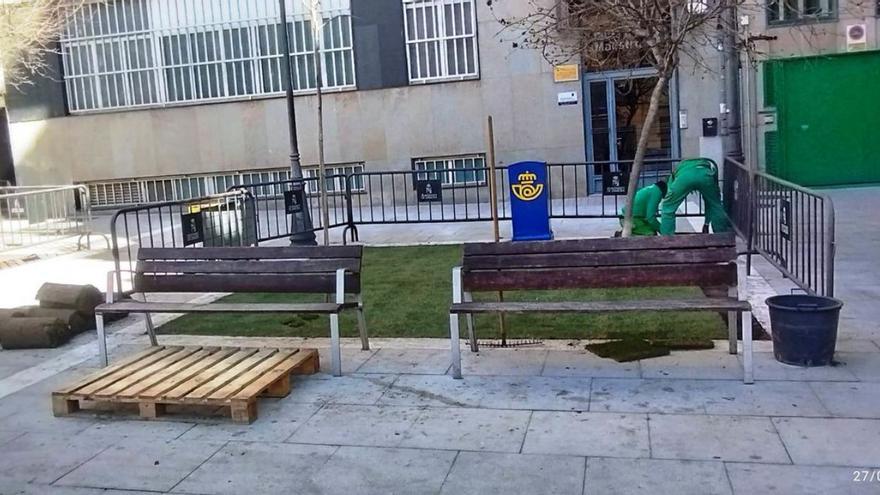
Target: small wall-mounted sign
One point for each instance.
(614, 183)
(293, 201)
(192, 228)
(682, 119)
(429, 190)
(567, 98)
(566, 73)
(710, 127)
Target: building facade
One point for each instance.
(154, 99)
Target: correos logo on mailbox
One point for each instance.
(525, 188)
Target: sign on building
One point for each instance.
(566, 73)
(785, 219)
(856, 38)
(529, 201)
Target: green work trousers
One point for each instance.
(702, 179)
(641, 227)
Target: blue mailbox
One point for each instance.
(529, 201)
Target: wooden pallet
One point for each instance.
(205, 376)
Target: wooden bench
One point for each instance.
(707, 261)
(329, 270)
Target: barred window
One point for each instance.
(794, 11)
(452, 171)
(136, 53)
(336, 176)
(441, 39)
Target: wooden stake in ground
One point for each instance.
(318, 25)
(493, 207)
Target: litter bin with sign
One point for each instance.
(228, 223)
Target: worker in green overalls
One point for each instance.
(700, 175)
(645, 205)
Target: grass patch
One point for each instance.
(407, 292)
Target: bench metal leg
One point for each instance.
(102, 339)
(151, 330)
(472, 335)
(335, 350)
(454, 342)
(748, 364)
(732, 317)
(362, 324)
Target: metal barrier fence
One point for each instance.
(32, 215)
(227, 219)
(790, 225)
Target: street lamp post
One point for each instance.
(300, 222)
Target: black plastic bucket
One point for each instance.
(804, 328)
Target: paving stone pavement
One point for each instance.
(540, 420)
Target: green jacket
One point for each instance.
(646, 205)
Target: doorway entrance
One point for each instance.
(615, 106)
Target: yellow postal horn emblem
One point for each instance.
(525, 188)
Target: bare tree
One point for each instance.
(604, 34)
(29, 31)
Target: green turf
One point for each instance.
(407, 292)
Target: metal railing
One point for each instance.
(227, 219)
(33, 215)
(790, 225)
(271, 201)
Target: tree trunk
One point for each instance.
(641, 147)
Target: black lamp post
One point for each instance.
(300, 222)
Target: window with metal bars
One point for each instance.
(441, 40)
(136, 53)
(466, 170)
(335, 179)
(794, 11)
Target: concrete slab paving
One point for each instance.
(352, 358)
(587, 434)
(606, 476)
(720, 438)
(864, 365)
(763, 399)
(536, 392)
(346, 389)
(276, 422)
(357, 425)
(436, 390)
(380, 471)
(642, 396)
(768, 368)
(35, 489)
(850, 400)
(831, 441)
(120, 430)
(43, 458)
(146, 464)
(255, 468)
(585, 364)
(455, 428)
(529, 362)
(410, 361)
(503, 474)
(750, 479)
(702, 365)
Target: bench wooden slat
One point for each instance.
(249, 253)
(697, 274)
(317, 283)
(248, 267)
(603, 258)
(692, 241)
(708, 304)
(160, 307)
